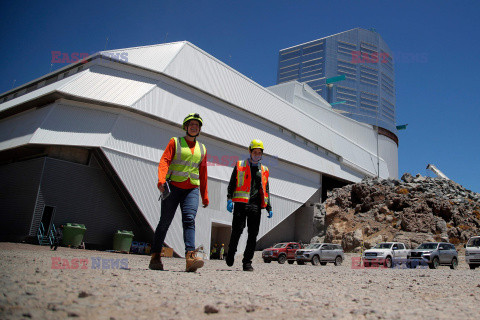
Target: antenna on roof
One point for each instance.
(165, 40)
(13, 84)
(106, 42)
(51, 66)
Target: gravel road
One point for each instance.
(31, 288)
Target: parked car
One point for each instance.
(472, 252)
(320, 253)
(435, 254)
(281, 252)
(386, 253)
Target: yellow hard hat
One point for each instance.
(256, 144)
(192, 116)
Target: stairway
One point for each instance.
(46, 237)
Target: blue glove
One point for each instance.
(229, 205)
(270, 214)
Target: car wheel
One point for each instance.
(434, 264)
(454, 264)
(409, 263)
(472, 266)
(315, 260)
(267, 260)
(388, 262)
(282, 259)
(338, 261)
(300, 263)
(291, 261)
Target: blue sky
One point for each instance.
(436, 42)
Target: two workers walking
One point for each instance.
(182, 179)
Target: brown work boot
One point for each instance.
(193, 262)
(156, 262)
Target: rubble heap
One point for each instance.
(411, 210)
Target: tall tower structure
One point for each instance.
(361, 65)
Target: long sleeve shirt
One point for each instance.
(164, 164)
(255, 186)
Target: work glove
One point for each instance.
(269, 214)
(229, 205)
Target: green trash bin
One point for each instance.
(73, 234)
(122, 240)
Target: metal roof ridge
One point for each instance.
(281, 99)
(58, 71)
(144, 47)
(175, 56)
(301, 44)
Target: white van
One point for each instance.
(472, 252)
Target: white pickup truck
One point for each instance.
(472, 252)
(386, 253)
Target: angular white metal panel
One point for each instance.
(136, 139)
(305, 91)
(282, 209)
(290, 183)
(73, 125)
(155, 57)
(239, 128)
(286, 180)
(109, 85)
(347, 131)
(144, 138)
(140, 178)
(139, 136)
(195, 67)
(389, 151)
(201, 70)
(284, 91)
(354, 131)
(293, 89)
(18, 130)
(39, 92)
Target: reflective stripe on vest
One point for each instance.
(184, 164)
(244, 180)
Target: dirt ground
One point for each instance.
(36, 284)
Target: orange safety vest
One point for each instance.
(244, 180)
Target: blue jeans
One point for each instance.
(188, 200)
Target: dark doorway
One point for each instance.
(47, 217)
(329, 183)
(220, 237)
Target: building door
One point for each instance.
(47, 217)
(220, 236)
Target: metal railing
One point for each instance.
(46, 237)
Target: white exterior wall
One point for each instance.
(389, 152)
(144, 110)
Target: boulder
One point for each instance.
(369, 243)
(416, 208)
(413, 239)
(407, 177)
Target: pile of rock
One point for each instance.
(411, 210)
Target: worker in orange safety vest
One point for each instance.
(249, 191)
